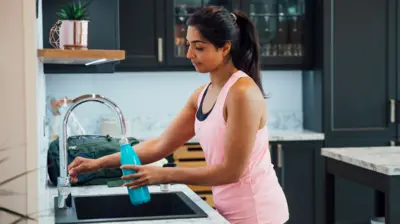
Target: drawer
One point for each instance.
(208, 198)
(191, 164)
(197, 188)
(189, 152)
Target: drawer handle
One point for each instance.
(280, 157)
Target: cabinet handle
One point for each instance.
(280, 157)
(392, 111)
(281, 165)
(160, 49)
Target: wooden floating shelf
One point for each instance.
(80, 57)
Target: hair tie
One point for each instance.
(234, 16)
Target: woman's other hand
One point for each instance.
(145, 175)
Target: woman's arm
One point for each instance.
(178, 133)
(245, 106)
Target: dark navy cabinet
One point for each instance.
(103, 32)
(297, 165)
(351, 94)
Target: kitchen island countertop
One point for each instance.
(381, 159)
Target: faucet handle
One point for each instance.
(64, 186)
(64, 191)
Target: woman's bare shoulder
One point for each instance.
(245, 89)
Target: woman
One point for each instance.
(228, 117)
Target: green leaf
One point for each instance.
(61, 16)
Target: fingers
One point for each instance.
(81, 168)
(130, 167)
(132, 176)
(75, 162)
(136, 183)
(74, 179)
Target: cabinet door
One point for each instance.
(178, 11)
(103, 32)
(142, 31)
(284, 31)
(294, 166)
(359, 71)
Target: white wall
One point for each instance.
(151, 99)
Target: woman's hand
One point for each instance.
(82, 165)
(145, 175)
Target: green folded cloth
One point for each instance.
(115, 183)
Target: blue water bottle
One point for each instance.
(129, 157)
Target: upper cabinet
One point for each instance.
(142, 34)
(154, 35)
(285, 31)
(178, 12)
(153, 32)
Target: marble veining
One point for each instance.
(383, 159)
(147, 124)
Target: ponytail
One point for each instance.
(218, 25)
(245, 51)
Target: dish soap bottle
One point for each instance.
(128, 156)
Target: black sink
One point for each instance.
(113, 208)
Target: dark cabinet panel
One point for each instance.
(357, 72)
(359, 69)
(298, 174)
(161, 42)
(142, 34)
(103, 32)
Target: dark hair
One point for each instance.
(218, 25)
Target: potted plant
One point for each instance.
(72, 27)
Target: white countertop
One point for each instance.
(384, 159)
(295, 135)
(274, 136)
(47, 202)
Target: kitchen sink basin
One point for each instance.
(114, 208)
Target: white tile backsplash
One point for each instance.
(151, 99)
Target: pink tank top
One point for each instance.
(257, 198)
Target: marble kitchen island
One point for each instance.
(47, 204)
(375, 167)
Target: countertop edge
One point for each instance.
(274, 136)
(333, 153)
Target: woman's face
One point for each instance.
(203, 54)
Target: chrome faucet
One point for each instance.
(63, 181)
